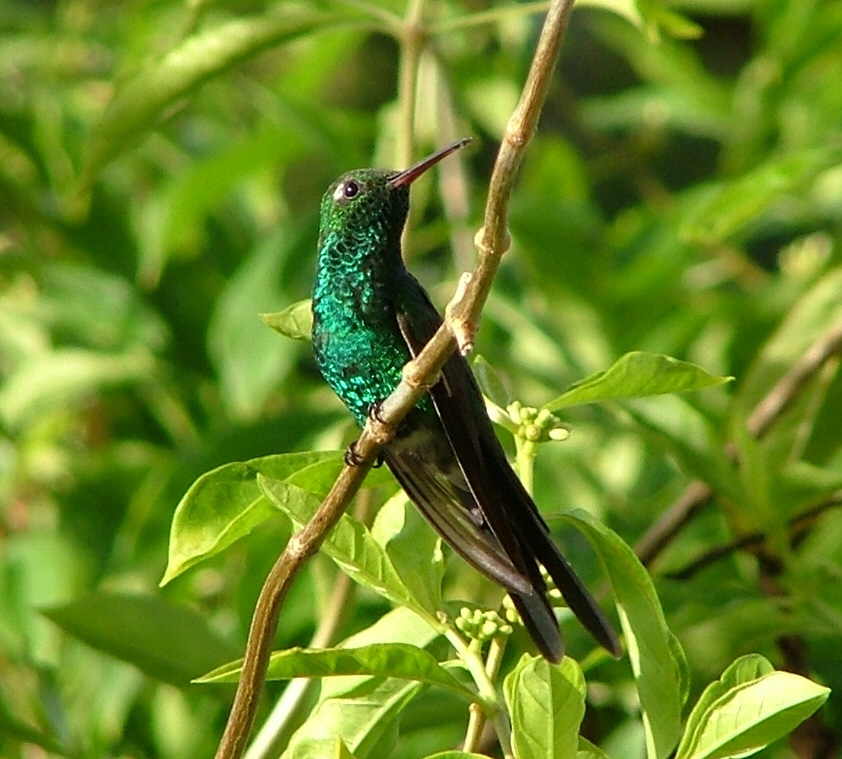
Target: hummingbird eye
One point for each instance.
(347, 190)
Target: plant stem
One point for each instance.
(263, 745)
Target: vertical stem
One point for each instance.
(411, 42)
(525, 453)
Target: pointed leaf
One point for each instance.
(738, 716)
(743, 670)
(226, 504)
(587, 750)
(366, 719)
(167, 641)
(546, 704)
(141, 101)
(295, 321)
(400, 660)
(637, 375)
(725, 209)
(656, 657)
(350, 544)
(221, 507)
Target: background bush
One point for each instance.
(161, 166)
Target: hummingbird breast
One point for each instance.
(356, 341)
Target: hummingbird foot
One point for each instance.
(374, 412)
(353, 458)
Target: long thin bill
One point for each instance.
(407, 176)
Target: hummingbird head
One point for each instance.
(374, 201)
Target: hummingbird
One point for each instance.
(370, 317)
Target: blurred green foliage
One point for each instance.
(161, 166)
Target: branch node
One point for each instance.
(416, 376)
(462, 328)
(487, 247)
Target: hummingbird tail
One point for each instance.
(540, 622)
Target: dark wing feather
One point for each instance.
(449, 510)
(507, 508)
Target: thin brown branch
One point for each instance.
(493, 239)
(798, 526)
(765, 414)
(418, 375)
(301, 546)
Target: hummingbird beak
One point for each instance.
(407, 176)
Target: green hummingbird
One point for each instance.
(370, 317)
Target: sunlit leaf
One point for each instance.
(656, 657)
(546, 704)
(226, 504)
(351, 545)
(366, 719)
(637, 375)
(748, 708)
(399, 660)
(295, 321)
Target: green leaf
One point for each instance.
(546, 704)
(413, 548)
(249, 359)
(491, 383)
(637, 375)
(170, 642)
(295, 321)
(351, 545)
(366, 719)
(457, 755)
(399, 660)
(748, 708)
(323, 748)
(226, 504)
(365, 711)
(743, 670)
(656, 656)
(59, 379)
(587, 750)
(723, 210)
(141, 101)
(400, 625)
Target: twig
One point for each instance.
(418, 375)
(765, 414)
(264, 742)
(300, 547)
(798, 525)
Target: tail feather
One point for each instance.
(541, 624)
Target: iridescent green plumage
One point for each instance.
(356, 339)
(370, 316)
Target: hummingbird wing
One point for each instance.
(497, 500)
